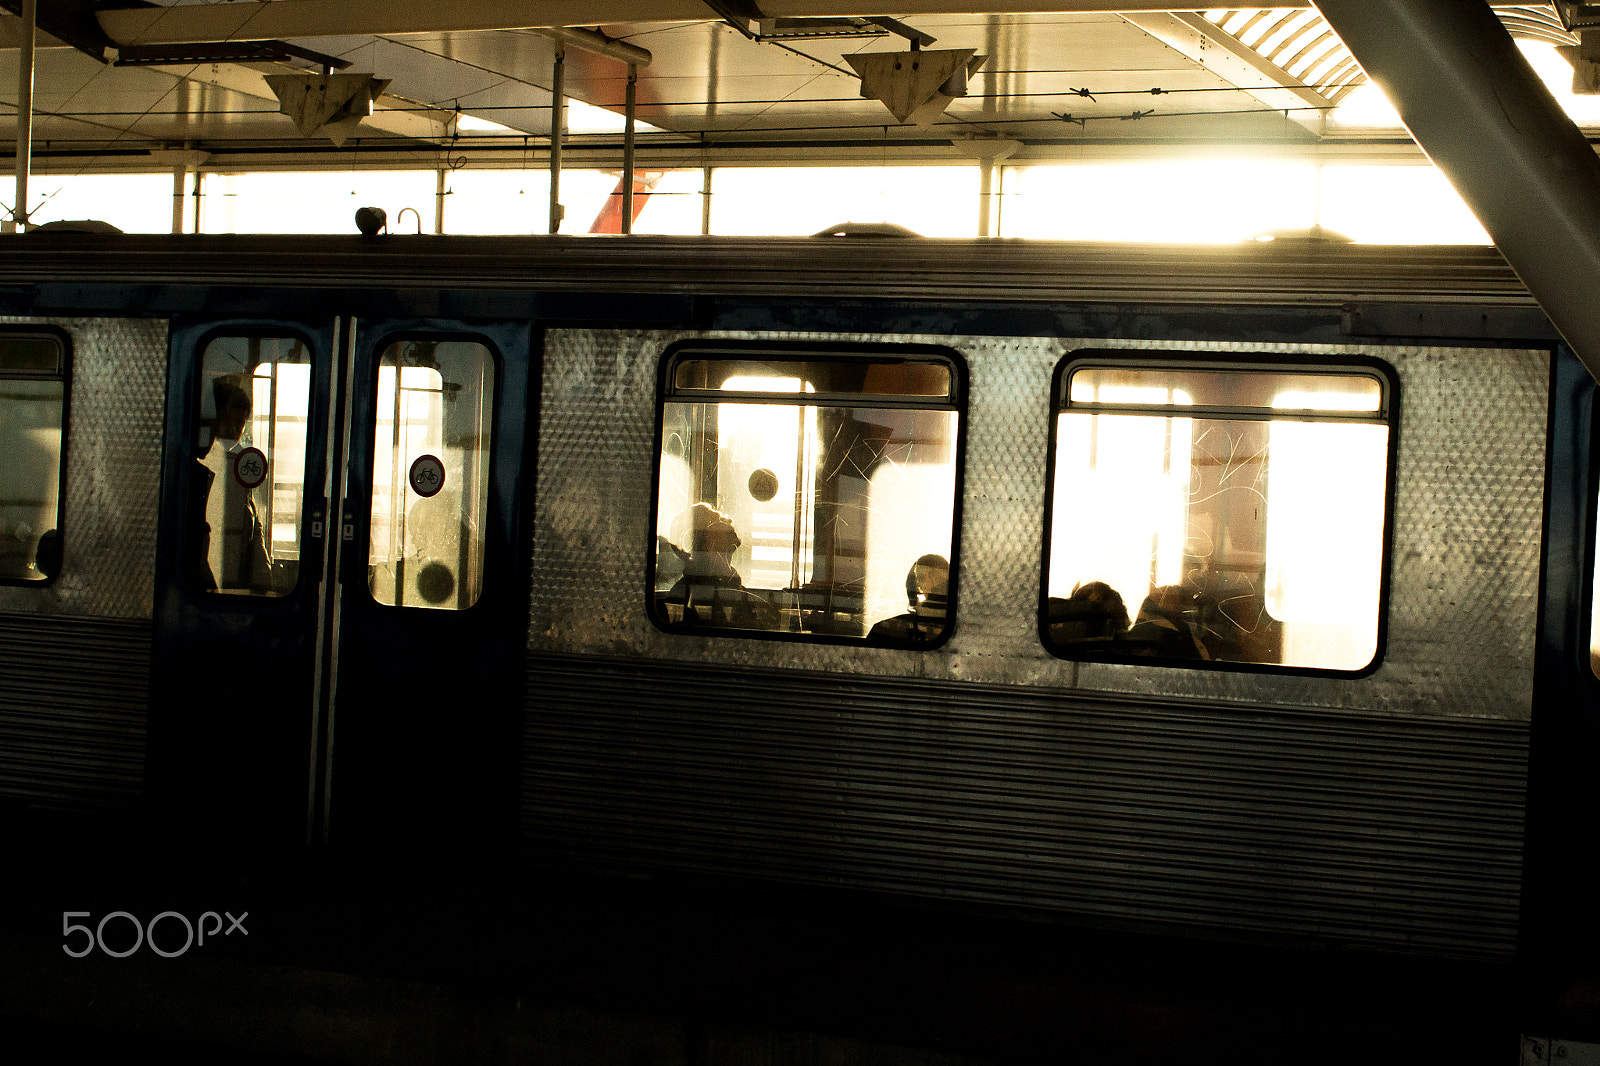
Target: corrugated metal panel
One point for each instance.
(73, 707)
(1290, 274)
(1340, 827)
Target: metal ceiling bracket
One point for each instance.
(816, 29)
(156, 55)
(331, 103)
(598, 43)
(917, 38)
(916, 86)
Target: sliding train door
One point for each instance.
(341, 602)
(239, 596)
(432, 597)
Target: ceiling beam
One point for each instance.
(283, 19)
(598, 43)
(287, 19)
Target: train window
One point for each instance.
(430, 483)
(33, 392)
(248, 488)
(810, 496)
(1231, 513)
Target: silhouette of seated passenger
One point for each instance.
(711, 592)
(47, 556)
(1164, 628)
(1094, 611)
(669, 563)
(928, 593)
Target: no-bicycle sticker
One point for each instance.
(427, 476)
(250, 467)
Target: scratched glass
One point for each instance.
(430, 474)
(807, 497)
(247, 481)
(1226, 515)
(32, 404)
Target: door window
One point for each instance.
(430, 479)
(248, 482)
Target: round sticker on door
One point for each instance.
(427, 475)
(250, 467)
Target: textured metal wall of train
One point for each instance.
(1285, 823)
(1463, 574)
(73, 709)
(108, 520)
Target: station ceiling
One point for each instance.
(191, 74)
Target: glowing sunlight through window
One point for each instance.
(1228, 513)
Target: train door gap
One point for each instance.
(337, 527)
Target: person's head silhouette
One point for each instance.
(232, 395)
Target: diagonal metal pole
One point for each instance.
(1475, 106)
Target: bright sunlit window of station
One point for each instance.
(1189, 201)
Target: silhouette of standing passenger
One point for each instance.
(229, 547)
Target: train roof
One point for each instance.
(1276, 273)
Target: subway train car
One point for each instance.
(1236, 600)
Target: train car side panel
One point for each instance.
(74, 653)
(1383, 810)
